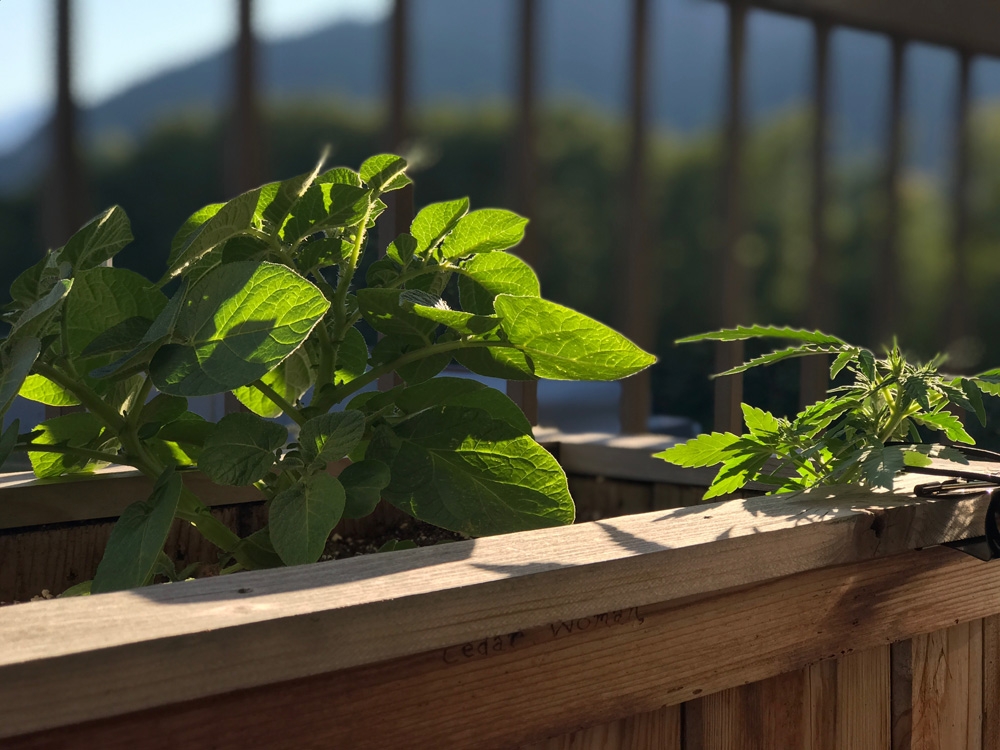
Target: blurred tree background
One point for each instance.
(578, 226)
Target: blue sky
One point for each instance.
(121, 42)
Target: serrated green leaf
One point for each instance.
(975, 397)
(236, 325)
(461, 468)
(16, 360)
(563, 344)
(484, 231)
(138, 537)
(947, 423)
(433, 223)
(866, 363)
(301, 518)
(330, 437)
(363, 483)
(384, 312)
(233, 218)
(761, 424)
(741, 333)
(915, 387)
(99, 240)
(843, 359)
(704, 450)
(241, 449)
(384, 172)
(879, 466)
(44, 391)
(771, 358)
(916, 458)
(76, 430)
(735, 472)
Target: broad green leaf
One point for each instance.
(483, 277)
(138, 537)
(947, 423)
(290, 380)
(352, 357)
(496, 362)
(193, 222)
(384, 172)
(760, 423)
(384, 312)
(325, 206)
(462, 392)
(235, 217)
(330, 437)
(44, 391)
(340, 176)
(16, 361)
(323, 252)
(79, 589)
(363, 482)
(158, 334)
(301, 518)
(432, 223)
(460, 468)
(241, 449)
(35, 281)
(704, 450)
(236, 325)
(467, 324)
(189, 429)
(99, 240)
(741, 333)
(159, 411)
(8, 439)
(484, 231)
(258, 547)
(402, 249)
(383, 272)
(277, 198)
(34, 320)
(121, 337)
(101, 300)
(563, 344)
(76, 430)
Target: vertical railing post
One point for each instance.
(732, 304)
(814, 379)
(65, 203)
(243, 169)
(887, 299)
(636, 295)
(525, 392)
(399, 204)
(958, 314)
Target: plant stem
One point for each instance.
(132, 418)
(85, 395)
(277, 400)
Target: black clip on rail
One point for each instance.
(962, 484)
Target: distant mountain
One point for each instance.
(465, 52)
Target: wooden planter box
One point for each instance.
(826, 620)
(53, 533)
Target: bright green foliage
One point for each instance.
(266, 299)
(865, 432)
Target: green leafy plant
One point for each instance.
(865, 432)
(267, 306)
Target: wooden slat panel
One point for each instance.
(821, 709)
(381, 607)
(991, 682)
(760, 716)
(966, 24)
(864, 700)
(653, 730)
(598, 498)
(901, 656)
(553, 679)
(947, 688)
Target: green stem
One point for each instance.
(87, 397)
(375, 373)
(277, 400)
(132, 418)
(69, 450)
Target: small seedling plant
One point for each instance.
(266, 305)
(866, 432)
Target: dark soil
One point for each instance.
(421, 534)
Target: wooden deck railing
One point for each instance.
(822, 620)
